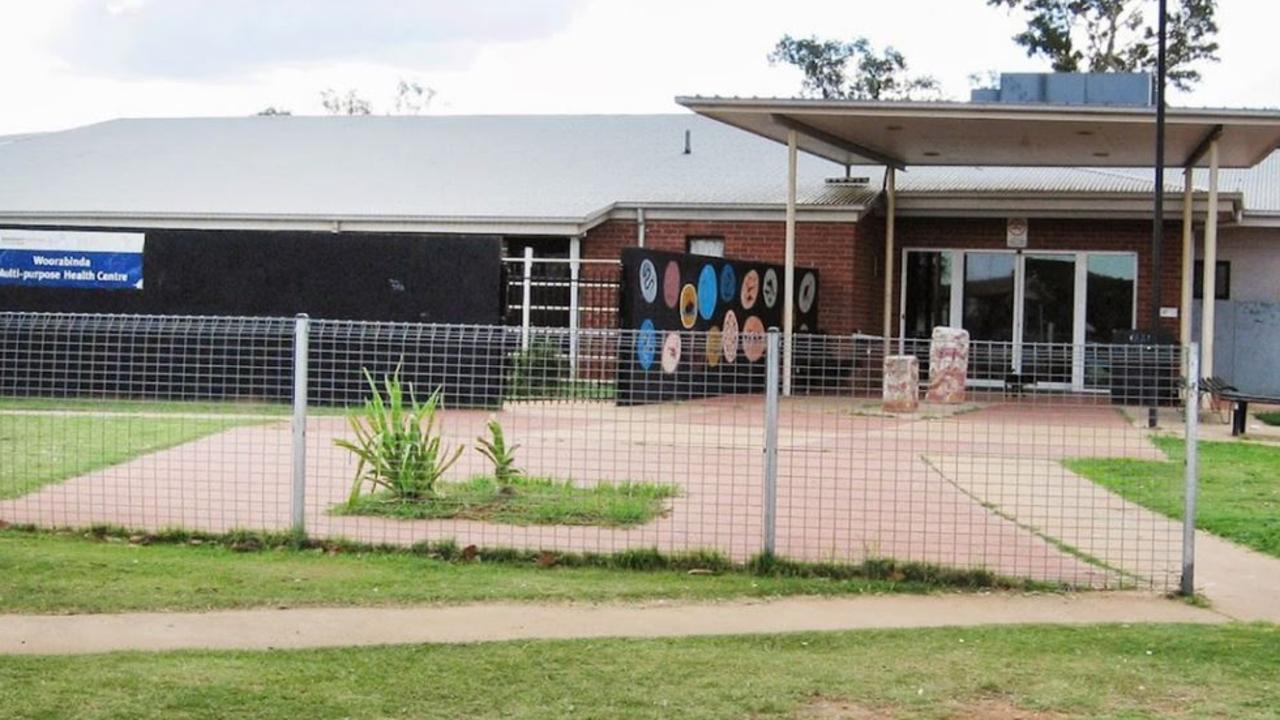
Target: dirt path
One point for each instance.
(328, 627)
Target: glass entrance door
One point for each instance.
(1049, 312)
(990, 291)
(1028, 313)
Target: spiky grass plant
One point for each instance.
(397, 443)
(502, 456)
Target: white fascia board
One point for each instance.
(742, 213)
(458, 225)
(1256, 219)
(1044, 205)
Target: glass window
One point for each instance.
(711, 246)
(988, 295)
(1221, 281)
(928, 285)
(1109, 294)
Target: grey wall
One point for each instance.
(1246, 344)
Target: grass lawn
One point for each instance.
(530, 501)
(1270, 418)
(1030, 673)
(187, 407)
(64, 573)
(38, 449)
(1239, 490)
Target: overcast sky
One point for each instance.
(71, 62)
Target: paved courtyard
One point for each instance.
(984, 486)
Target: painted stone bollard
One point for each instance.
(948, 365)
(901, 383)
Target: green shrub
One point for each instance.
(538, 371)
(399, 449)
(502, 456)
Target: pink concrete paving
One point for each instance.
(978, 489)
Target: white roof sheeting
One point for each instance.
(563, 168)
(504, 167)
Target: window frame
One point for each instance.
(689, 240)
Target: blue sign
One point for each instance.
(85, 260)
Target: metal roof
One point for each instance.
(496, 167)
(477, 169)
(1035, 135)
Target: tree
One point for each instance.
(826, 68)
(1117, 35)
(349, 104)
(412, 97)
(272, 110)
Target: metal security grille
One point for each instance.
(563, 293)
(217, 424)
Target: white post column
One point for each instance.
(575, 258)
(890, 213)
(1210, 266)
(789, 273)
(526, 299)
(1188, 259)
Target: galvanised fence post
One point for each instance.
(773, 359)
(1191, 471)
(298, 496)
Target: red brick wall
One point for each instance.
(1052, 234)
(829, 247)
(850, 257)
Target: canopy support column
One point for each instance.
(1188, 259)
(789, 273)
(1210, 267)
(890, 213)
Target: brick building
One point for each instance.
(1030, 254)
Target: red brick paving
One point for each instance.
(968, 491)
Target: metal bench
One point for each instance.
(1220, 389)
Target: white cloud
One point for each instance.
(518, 56)
(200, 39)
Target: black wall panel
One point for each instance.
(384, 277)
(355, 276)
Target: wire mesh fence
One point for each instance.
(683, 443)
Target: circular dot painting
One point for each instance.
(646, 345)
(808, 291)
(671, 284)
(753, 339)
(750, 289)
(769, 288)
(648, 281)
(715, 346)
(671, 352)
(728, 283)
(707, 292)
(688, 306)
(729, 337)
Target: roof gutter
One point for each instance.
(1051, 204)
(480, 225)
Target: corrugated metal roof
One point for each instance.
(566, 167)
(1021, 180)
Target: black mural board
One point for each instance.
(410, 278)
(696, 323)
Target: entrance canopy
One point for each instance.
(900, 134)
